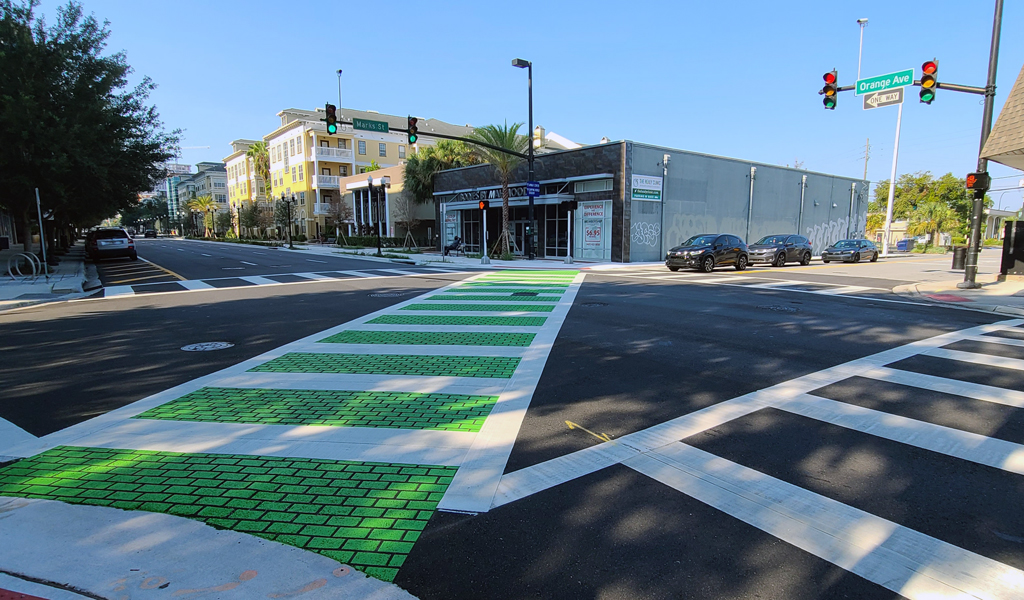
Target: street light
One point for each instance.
(525, 64)
(863, 23)
(385, 182)
(288, 226)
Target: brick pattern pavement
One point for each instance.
(458, 320)
(364, 514)
(500, 367)
(431, 338)
(396, 410)
(487, 289)
(482, 307)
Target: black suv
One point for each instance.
(706, 251)
(778, 250)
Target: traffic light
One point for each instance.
(929, 80)
(978, 182)
(332, 119)
(831, 89)
(484, 204)
(413, 130)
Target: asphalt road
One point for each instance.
(639, 347)
(178, 259)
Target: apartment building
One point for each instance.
(309, 164)
(243, 184)
(211, 180)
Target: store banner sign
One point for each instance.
(451, 217)
(646, 187)
(593, 235)
(592, 210)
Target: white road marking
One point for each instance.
(201, 254)
(248, 263)
(991, 339)
(910, 563)
(256, 279)
(316, 261)
(956, 387)
(12, 435)
(179, 249)
(976, 448)
(976, 358)
(118, 290)
(195, 284)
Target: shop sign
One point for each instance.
(514, 191)
(593, 235)
(592, 210)
(646, 187)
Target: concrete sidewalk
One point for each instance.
(1002, 295)
(65, 281)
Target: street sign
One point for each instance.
(378, 126)
(533, 189)
(886, 98)
(884, 82)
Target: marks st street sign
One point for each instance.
(365, 125)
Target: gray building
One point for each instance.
(634, 201)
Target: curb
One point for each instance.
(912, 292)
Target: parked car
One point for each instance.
(850, 251)
(905, 245)
(110, 243)
(706, 251)
(777, 250)
(150, 233)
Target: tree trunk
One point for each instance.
(504, 215)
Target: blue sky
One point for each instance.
(737, 79)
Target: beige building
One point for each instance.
(390, 210)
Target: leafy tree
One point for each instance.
(914, 190)
(506, 137)
(373, 167)
(249, 218)
(111, 144)
(206, 206)
(932, 218)
(225, 223)
(421, 167)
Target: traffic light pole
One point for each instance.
(974, 249)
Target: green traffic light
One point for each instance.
(927, 96)
(332, 128)
(413, 138)
(829, 102)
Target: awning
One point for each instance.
(548, 199)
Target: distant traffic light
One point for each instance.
(831, 89)
(413, 130)
(929, 80)
(484, 204)
(332, 119)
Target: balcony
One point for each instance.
(322, 208)
(334, 154)
(329, 182)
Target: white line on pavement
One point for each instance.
(194, 284)
(257, 280)
(248, 263)
(976, 358)
(955, 387)
(11, 435)
(316, 261)
(201, 254)
(910, 563)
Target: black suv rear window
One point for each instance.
(108, 234)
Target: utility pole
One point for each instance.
(867, 155)
(971, 267)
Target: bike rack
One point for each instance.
(14, 266)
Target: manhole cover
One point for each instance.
(778, 308)
(387, 295)
(593, 304)
(207, 346)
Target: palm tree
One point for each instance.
(931, 218)
(207, 206)
(508, 139)
(261, 163)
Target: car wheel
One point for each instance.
(673, 269)
(134, 257)
(874, 257)
(780, 260)
(707, 264)
(825, 260)
(856, 257)
(741, 263)
(805, 259)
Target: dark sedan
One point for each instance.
(706, 251)
(850, 251)
(777, 250)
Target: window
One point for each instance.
(325, 170)
(293, 174)
(298, 145)
(343, 170)
(342, 143)
(401, 151)
(362, 147)
(594, 185)
(291, 144)
(300, 172)
(383, 149)
(325, 143)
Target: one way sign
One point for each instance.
(883, 98)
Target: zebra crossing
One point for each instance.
(277, 279)
(751, 282)
(696, 454)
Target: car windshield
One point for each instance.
(773, 239)
(846, 244)
(700, 240)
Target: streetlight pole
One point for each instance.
(863, 23)
(971, 268)
(340, 114)
(520, 63)
(288, 225)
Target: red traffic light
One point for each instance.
(829, 77)
(484, 204)
(929, 67)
